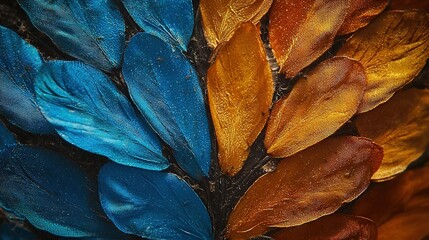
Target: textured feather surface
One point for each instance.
(220, 18)
(305, 186)
(240, 91)
(170, 20)
(165, 88)
(51, 192)
(6, 140)
(360, 13)
(393, 49)
(19, 63)
(334, 90)
(90, 30)
(88, 111)
(301, 31)
(335, 226)
(154, 205)
(401, 127)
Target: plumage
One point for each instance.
(166, 90)
(19, 63)
(170, 20)
(51, 192)
(88, 111)
(154, 205)
(92, 31)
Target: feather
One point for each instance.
(165, 88)
(51, 192)
(170, 20)
(19, 63)
(88, 111)
(92, 31)
(154, 205)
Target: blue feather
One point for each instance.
(7, 140)
(19, 63)
(51, 192)
(90, 30)
(154, 205)
(6, 137)
(165, 88)
(88, 111)
(170, 20)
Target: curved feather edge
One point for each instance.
(92, 31)
(165, 87)
(88, 111)
(170, 20)
(154, 205)
(19, 63)
(51, 192)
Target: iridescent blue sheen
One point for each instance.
(19, 63)
(170, 20)
(88, 111)
(51, 192)
(154, 205)
(90, 30)
(165, 88)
